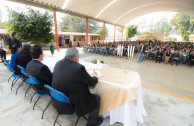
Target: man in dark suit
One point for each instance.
(176, 57)
(72, 78)
(37, 69)
(15, 42)
(23, 57)
(191, 58)
(142, 51)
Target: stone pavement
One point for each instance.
(168, 93)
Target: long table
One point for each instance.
(121, 96)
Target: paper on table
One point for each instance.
(98, 72)
(5, 49)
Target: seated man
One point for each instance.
(159, 55)
(72, 78)
(23, 57)
(191, 58)
(37, 69)
(176, 57)
(184, 56)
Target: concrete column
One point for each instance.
(56, 31)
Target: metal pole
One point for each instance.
(114, 32)
(86, 31)
(103, 32)
(122, 35)
(56, 32)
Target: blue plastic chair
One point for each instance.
(59, 96)
(14, 75)
(23, 71)
(33, 81)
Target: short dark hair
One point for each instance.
(13, 33)
(26, 48)
(35, 51)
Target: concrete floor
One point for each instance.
(168, 93)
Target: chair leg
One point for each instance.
(9, 78)
(14, 82)
(85, 118)
(36, 102)
(77, 120)
(27, 90)
(45, 109)
(19, 87)
(32, 97)
(56, 119)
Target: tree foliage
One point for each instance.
(32, 25)
(184, 24)
(149, 34)
(161, 26)
(101, 33)
(2, 24)
(77, 24)
(131, 31)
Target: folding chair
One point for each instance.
(14, 75)
(23, 71)
(64, 101)
(34, 81)
(5, 62)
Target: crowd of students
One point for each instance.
(158, 51)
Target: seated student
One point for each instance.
(176, 57)
(191, 58)
(37, 69)
(106, 50)
(72, 78)
(159, 55)
(167, 56)
(23, 57)
(184, 56)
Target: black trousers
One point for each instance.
(93, 116)
(160, 59)
(191, 62)
(3, 54)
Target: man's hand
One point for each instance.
(95, 74)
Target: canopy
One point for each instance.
(116, 12)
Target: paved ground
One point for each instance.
(168, 93)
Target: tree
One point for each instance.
(161, 26)
(142, 24)
(184, 24)
(131, 31)
(2, 24)
(32, 25)
(101, 33)
(76, 24)
(167, 29)
(149, 35)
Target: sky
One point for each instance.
(16, 6)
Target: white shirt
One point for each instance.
(2, 45)
(142, 48)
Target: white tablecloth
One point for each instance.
(129, 113)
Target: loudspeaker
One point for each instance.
(66, 41)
